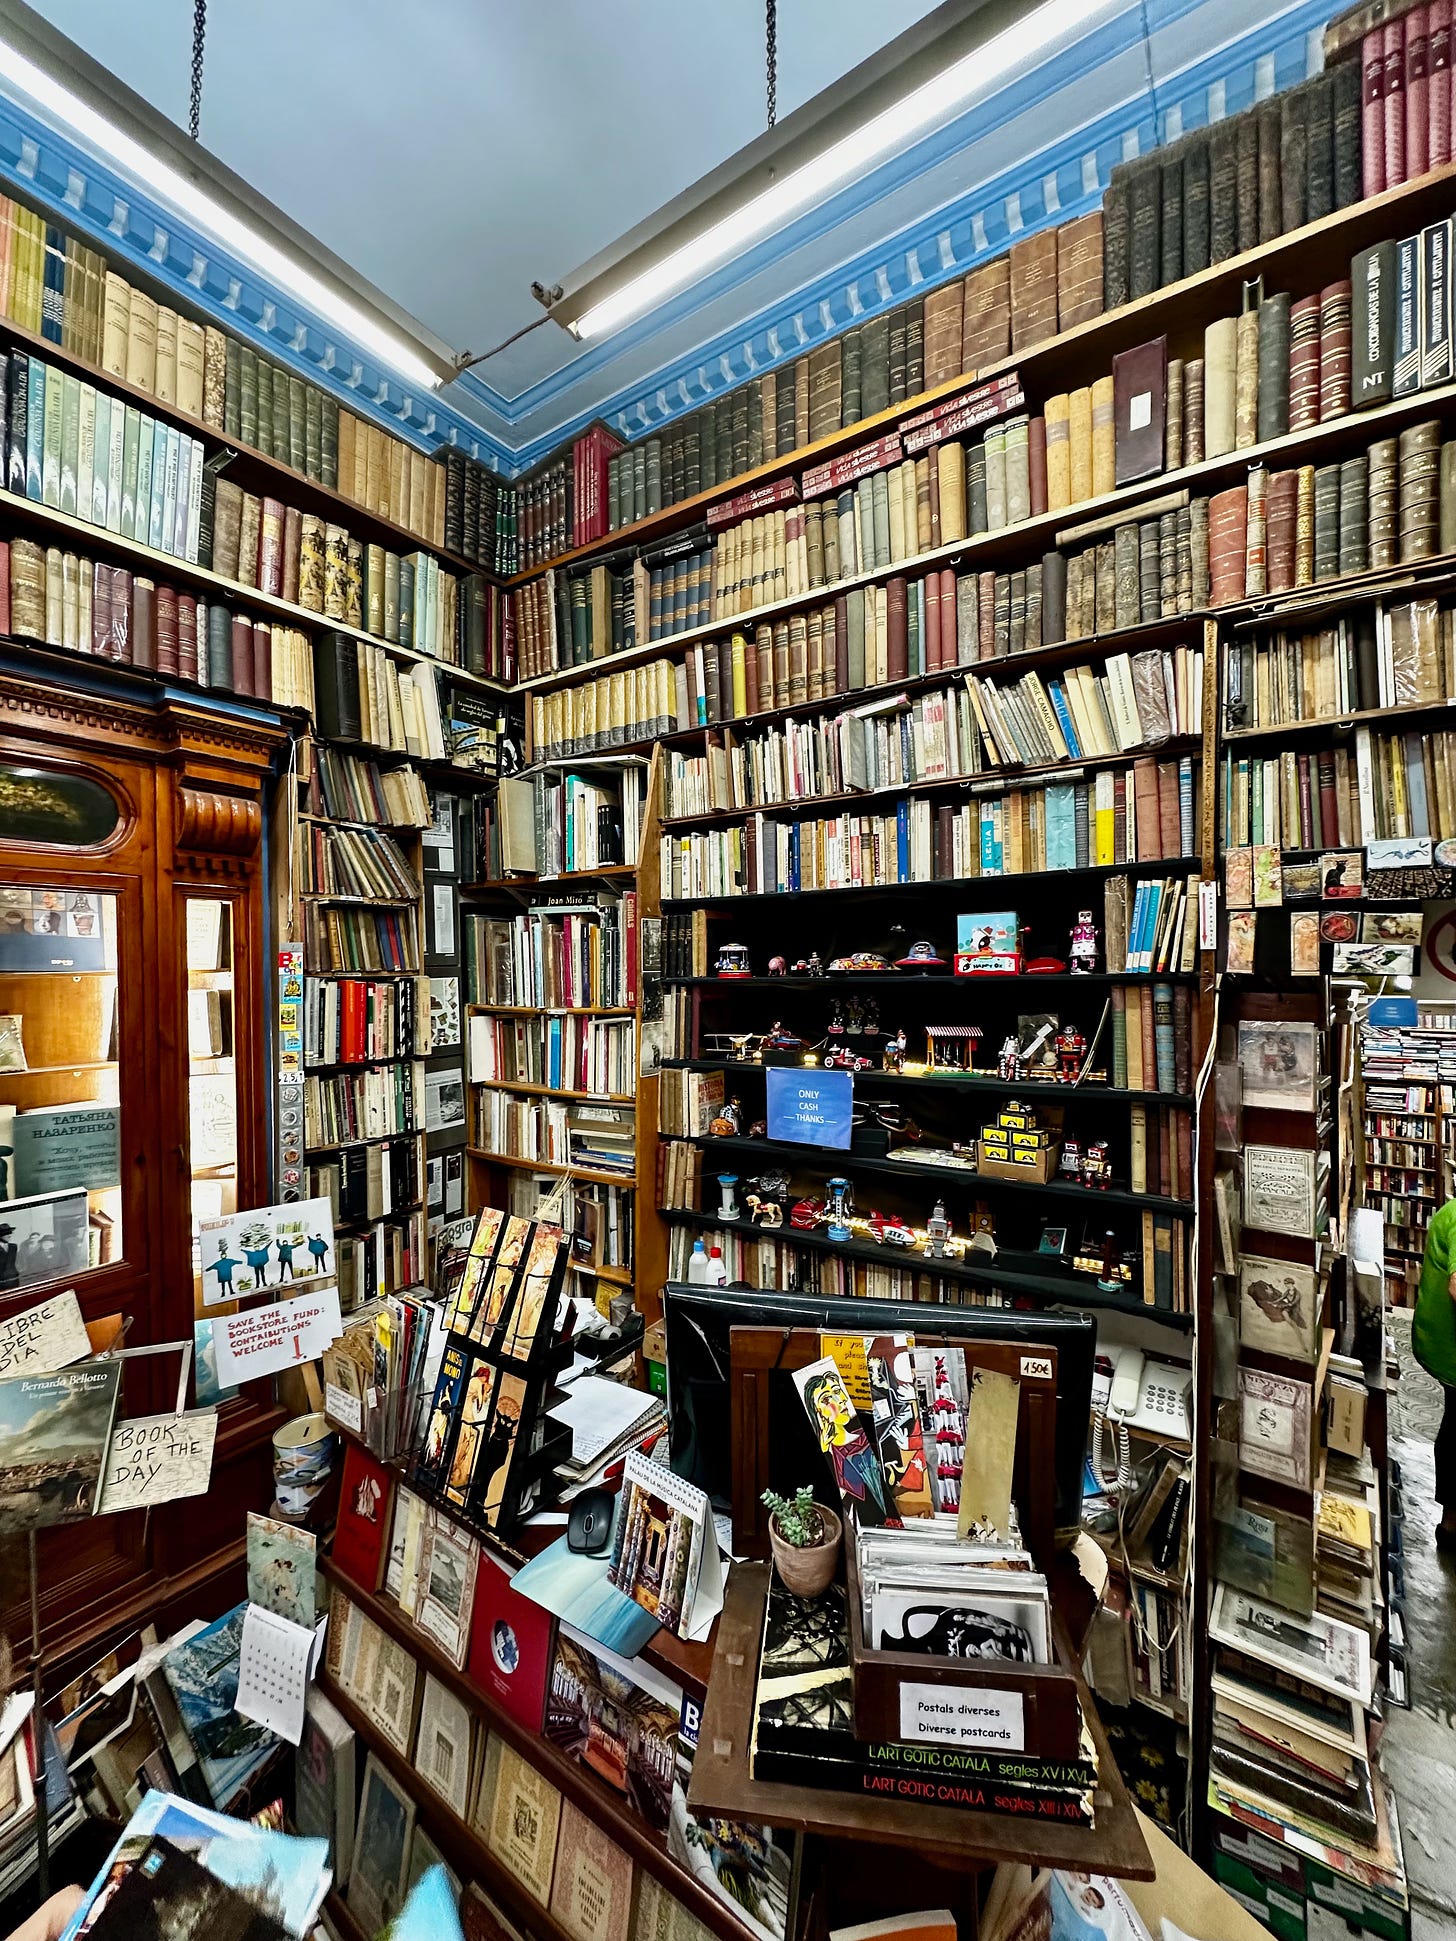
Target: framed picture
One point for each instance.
(1280, 1065)
(1053, 1241)
(1279, 1306)
(378, 1879)
(44, 1238)
(442, 1747)
(1318, 1649)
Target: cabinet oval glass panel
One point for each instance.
(39, 805)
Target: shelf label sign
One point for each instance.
(810, 1108)
(959, 1715)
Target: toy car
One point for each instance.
(890, 1233)
(842, 1059)
(921, 956)
(808, 1214)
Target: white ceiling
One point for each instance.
(455, 150)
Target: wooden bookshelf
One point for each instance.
(1299, 257)
(576, 1782)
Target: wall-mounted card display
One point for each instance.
(1279, 1305)
(1280, 1063)
(266, 1247)
(1276, 1428)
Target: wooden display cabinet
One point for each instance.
(132, 986)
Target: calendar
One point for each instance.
(276, 1661)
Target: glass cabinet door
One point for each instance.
(212, 1066)
(61, 1211)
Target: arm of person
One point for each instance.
(49, 1923)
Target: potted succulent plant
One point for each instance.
(805, 1539)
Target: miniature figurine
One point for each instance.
(777, 967)
(728, 1208)
(726, 1124)
(759, 1129)
(780, 1038)
(1097, 1165)
(937, 1232)
(1071, 1160)
(982, 1244)
(872, 1017)
(835, 1027)
(858, 962)
(810, 966)
(854, 1017)
(1083, 952)
(1071, 1050)
(920, 957)
(733, 962)
(842, 1059)
(894, 1054)
(1109, 1277)
(1008, 1064)
(839, 1207)
(764, 1213)
(889, 1233)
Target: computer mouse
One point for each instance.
(589, 1522)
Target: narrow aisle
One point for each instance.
(1420, 1744)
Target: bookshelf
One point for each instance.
(1406, 1074)
(555, 988)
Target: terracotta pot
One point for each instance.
(808, 1572)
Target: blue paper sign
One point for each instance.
(810, 1108)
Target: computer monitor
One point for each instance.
(697, 1321)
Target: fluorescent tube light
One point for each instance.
(189, 197)
(974, 74)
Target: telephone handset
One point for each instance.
(1150, 1395)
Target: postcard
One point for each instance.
(1374, 960)
(845, 1441)
(1242, 931)
(1325, 1653)
(1275, 1413)
(1238, 866)
(1398, 852)
(449, 1558)
(1391, 927)
(1279, 1191)
(282, 1560)
(268, 1246)
(1280, 1064)
(44, 1238)
(1279, 1306)
(1268, 877)
(1304, 944)
(1342, 875)
(1301, 883)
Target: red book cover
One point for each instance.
(629, 911)
(510, 1646)
(5, 592)
(1417, 110)
(166, 622)
(897, 640)
(361, 1535)
(930, 644)
(1372, 111)
(1036, 455)
(242, 655)
(262, 660)
(1393, 103)
(1438, 66)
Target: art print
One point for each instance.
(1280, 1064)
(845, 1441)
(535, 1306)
(493, 1469)
(266, 1247)
(1391, 927)
(1274, 1428)
(1374, 960)
(1323, 1652)
(45, 1238)
(1279, 1307)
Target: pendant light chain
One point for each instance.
(199, 36)
(771, 77)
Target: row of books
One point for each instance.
(569, 956)
(361, 694)
(1401, 655)
(369, 1181)
(1152, 926)
(1214, 193)
(88, 607)
(1146, 1057)
(57, 287)
(598, 1138)
(1393, 504)
(351, 788)
(1140, 700)
(1386, 785)
(481, 514)
(765, 1260)
(1405, 95)
(552, 824)
(390, 1257)
(360, 940)
(563, 503)
(409, 601)
(356, 1020)
(1147, 813)
(348, 1106)
(567, 1054)
(356, 862)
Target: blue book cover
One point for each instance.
(1135, 927)
(53, 291)
(794, 852)
(1163, 1036)
(902, 842)
(1185, 806)
(203, 1674)
(1057, 696)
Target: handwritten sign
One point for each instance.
(265, 1339)
(158, 1459)
(43, 1338)
(810, 1108)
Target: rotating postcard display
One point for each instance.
(489, 1451)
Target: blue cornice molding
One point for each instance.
(512, 434)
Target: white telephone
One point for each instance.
(1150, 1395)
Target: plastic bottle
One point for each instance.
(700, 1272)
(717, 1275)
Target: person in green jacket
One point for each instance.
(1433, 1337)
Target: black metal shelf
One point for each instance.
(988, 1082)
(938, 981)
(1012, 1271)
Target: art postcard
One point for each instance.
(1323, 1652)
(1280, 1063)
(44, 1238)
(1275, 1428)
(1304, 943)
(266, 1247)
(845, 1441)
(899, 1433)
(282, 1561)
(1391, 927)
(1243, 929)
(1374, 960)
(1268, 877)
(1279, 1307)
(1342, 875)
(1280, 1190)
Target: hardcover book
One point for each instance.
(1276, 1428)
(518, 1812)
(203, 1675)
(591, 1895)
(364, 1518)
(510, 1645)
(54, 1434)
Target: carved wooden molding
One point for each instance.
(212, 824)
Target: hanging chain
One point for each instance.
(199, 35)
(771, 59)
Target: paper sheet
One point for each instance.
(157, 1459)
(273, 1671)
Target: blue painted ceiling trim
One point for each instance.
(42, 165)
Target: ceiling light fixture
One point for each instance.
(957, 55)
(94, 108)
